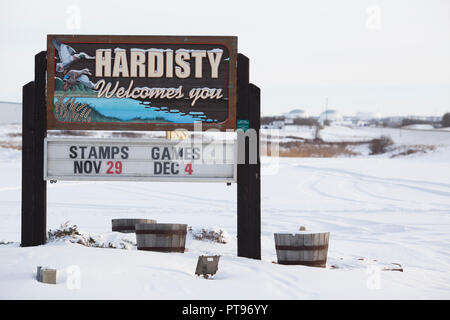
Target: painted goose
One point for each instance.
(73, 76)
(67, 55)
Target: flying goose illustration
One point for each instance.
(67, 55)
(73, 76)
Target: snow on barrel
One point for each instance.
(304, 248)
(162, 237)
(128, 225)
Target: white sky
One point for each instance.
(301, 52)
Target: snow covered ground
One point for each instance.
(380, 212)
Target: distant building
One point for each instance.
(295, 114)
(11, 112)
(277, 124)
(367, 116)
(364, 119)
(330, 116)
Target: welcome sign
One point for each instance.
(140, 82)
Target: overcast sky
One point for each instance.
(391, 57)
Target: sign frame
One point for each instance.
(134, 178)
(34, 187)
(228, 41)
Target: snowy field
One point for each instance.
(380, 212)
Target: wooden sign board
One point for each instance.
(139, 160)
(141, 82)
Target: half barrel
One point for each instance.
(305, 248)
(162, 237)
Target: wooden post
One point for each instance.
(34, 187)
(27, 164)
(248, 175)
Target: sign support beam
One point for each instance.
(248, 175)
(34, 187)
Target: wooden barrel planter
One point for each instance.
(305, 248)
(161, 237)
(128, 225)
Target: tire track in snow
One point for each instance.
(383, 181)
(318, 190)
(360, 188)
